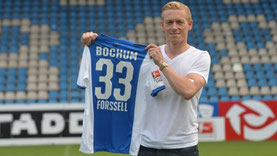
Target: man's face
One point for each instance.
(175, 25)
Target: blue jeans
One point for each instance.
(188, 151)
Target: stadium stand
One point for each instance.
(40, 44)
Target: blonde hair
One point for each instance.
(174, 5)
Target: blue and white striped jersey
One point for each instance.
(114, 73)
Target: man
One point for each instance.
(170, 127)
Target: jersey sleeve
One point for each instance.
(202, 65)
(156, 82)
(154, 79)
(83, 76)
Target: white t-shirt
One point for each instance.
(114, 73)
(171, 121)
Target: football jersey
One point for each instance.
(114, 73)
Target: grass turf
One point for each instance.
(232, 148)
(238, 148)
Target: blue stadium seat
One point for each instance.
(22, 71)
(53, 101)
(258, 67)
(31, 101)
(2, 87)
(203, 99)
(223, 53)
(257, 97)
(272, 81)
(42, 101)
(247, 67)
(63, 85)
(211, 82)
(267, 97)
(224, 98)
(10, 87)
(235, 98)
(11, 71)
(252, 82)
(214, 98)
(21, 86)
(20, 102)
(249, 75)
(246, 97)
(63, 95)
(204, 91)
(212, 91)
(9, 101)
(74, 94)
(262, 82)
(269, 74)
(2, 83)
(223, 91)
(53, 95)
(260, 74)
(43, 56)
(275, 67)
(2, 72)
(63, 100)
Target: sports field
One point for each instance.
(265, 148)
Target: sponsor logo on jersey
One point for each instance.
(156, 76)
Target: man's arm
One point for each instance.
(186, 86)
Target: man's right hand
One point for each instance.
(88, 37)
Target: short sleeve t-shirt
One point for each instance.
(171, 119)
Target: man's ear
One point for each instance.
(190, 23)
(162, 25)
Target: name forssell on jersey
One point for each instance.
(114, 73)
(121, 55)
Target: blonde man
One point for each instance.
(170, 127)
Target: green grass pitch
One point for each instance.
(231, 148)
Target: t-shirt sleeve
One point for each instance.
(202, 65)
(83, 76)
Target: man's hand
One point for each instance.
(155, 54)
(88, 37)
